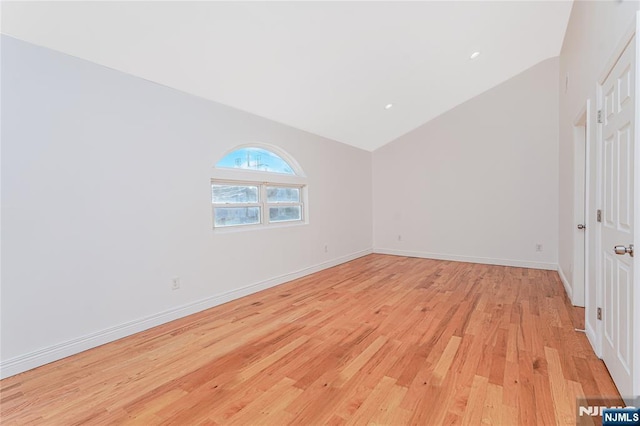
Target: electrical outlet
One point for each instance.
(538, 247)
(175, 283)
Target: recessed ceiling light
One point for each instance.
(474, 55)
(388, 106)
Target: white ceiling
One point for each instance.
(325, 67)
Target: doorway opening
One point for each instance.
(579, 275)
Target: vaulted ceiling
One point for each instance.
(329, 68)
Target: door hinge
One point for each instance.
(599, 116)
(599, 215)
(600, 314)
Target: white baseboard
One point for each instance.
(44, 356)
(470, 259)
(565, 282)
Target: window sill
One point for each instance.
(260, 227)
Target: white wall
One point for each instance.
(480, 182)
(595, 28)
(106, 197)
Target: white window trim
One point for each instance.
(267, 204)
(255, 176)
(262, 202)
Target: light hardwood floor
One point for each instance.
(382, 340)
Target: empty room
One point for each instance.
(310, 212)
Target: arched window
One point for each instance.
(254, 158)
(256, 186)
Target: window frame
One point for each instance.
(268, 205)
(263, 204)
(237, 205)
(261, 178)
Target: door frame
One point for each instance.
(582, 137)
(597, 344)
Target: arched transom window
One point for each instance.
(255, 186)
(254, 158)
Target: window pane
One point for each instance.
(277, 194)
(256, 159)
(283, 214)
(230, 216)
(234, 194)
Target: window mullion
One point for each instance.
(216, 205)
(284, 204)
(263, 202)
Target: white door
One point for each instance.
(618, 122)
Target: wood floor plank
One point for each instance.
(384, 340)
(389, 412)
(563, 400)
(492, 411)
(475, 404)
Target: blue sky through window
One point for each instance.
(256, 159)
